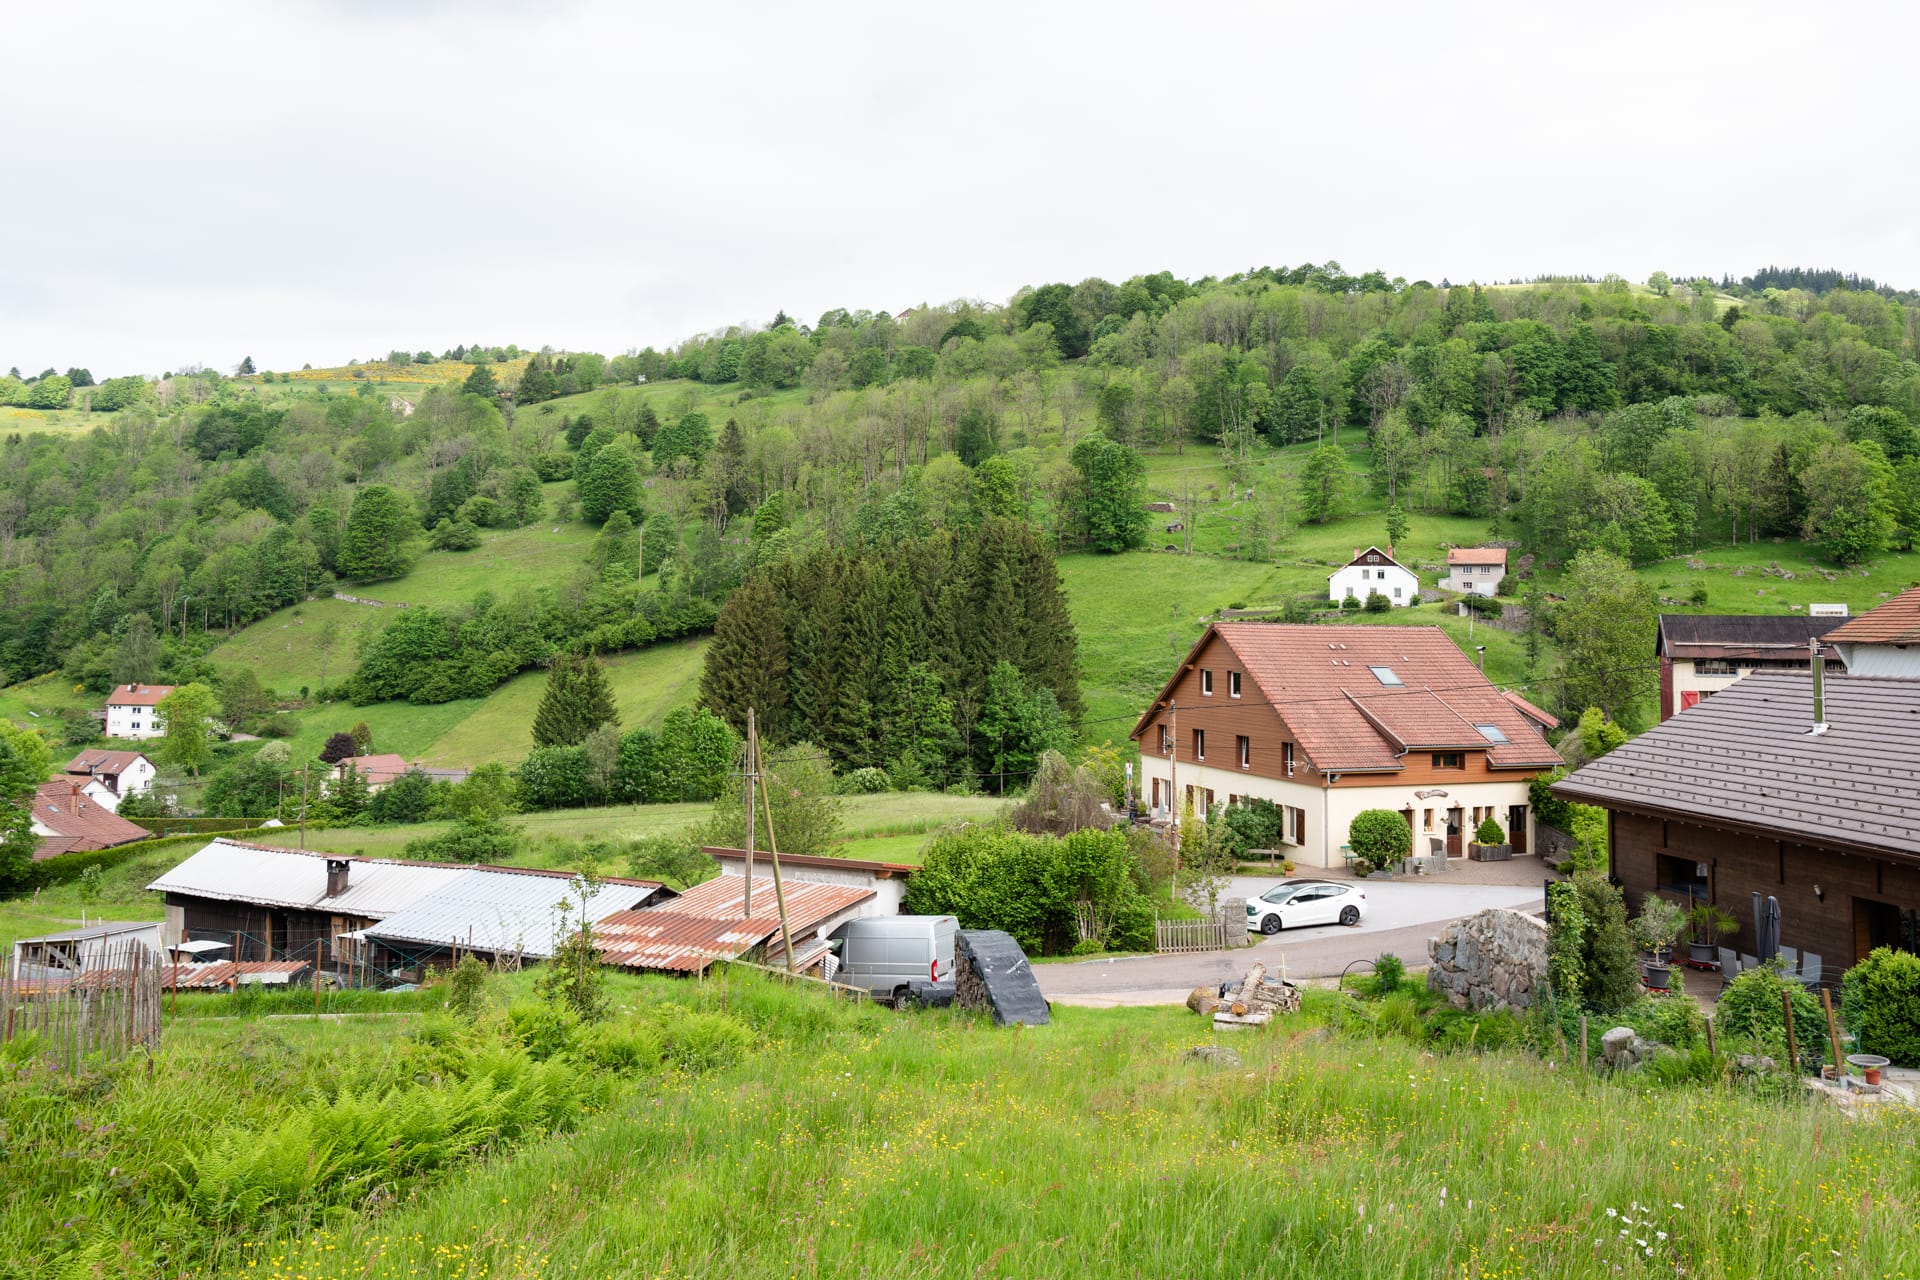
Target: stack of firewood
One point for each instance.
(1251, 1002)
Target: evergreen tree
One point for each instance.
(481, 383)
(137, 658)
(536, 382)
(379, 527)
(727, 471)
(1587, 381)
(576, 429)
(347, 792)
(646, 426)
(578, 700)
(1397, 526)
(747, 661)
(245, 368)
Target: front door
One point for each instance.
(1881, 924)
(1517, 827)
(1453, 833)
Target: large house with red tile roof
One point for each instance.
(1883, 641)
(132, 711)
(1476, 570)
(109, 777)
(67, 820)
(1326, 721)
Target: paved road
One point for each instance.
(1401, 916)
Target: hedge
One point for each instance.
(69, 867)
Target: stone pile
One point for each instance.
(1494, 960)
(1251, 1002)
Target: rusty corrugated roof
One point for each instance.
(670, 940)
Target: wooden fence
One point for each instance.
(108, 1005)
(1189, 935)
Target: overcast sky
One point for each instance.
(310, 182)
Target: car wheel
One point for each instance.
(1349, 915)
(1269, 924)
(903, 998)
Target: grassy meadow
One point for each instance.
(755, 1131)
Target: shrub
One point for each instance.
(864, 782)
(1489, 832)
(992, 877)
(471, 839)
(1608, 973)
(465, 987)
(700, 1041)
(1388, 972)
(1750, 1006)
(1377, 603)
(1350, 604)
(1881, 997)
(1381, 836)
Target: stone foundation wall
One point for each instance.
(1494, 960)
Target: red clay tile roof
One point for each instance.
(1477, 555)
(108, 762)
(1346, 719)
(62, 808)
(138, 695)
(377, 770)
(1895, 622)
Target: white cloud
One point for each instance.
(198, 182)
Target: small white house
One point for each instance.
(1475, 570)
(132, 711)
(1373, 572)
(108, 777)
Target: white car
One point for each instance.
(1304, 902)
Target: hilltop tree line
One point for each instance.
(943, 659)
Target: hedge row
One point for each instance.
(182, 826)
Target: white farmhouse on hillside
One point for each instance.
(107, 777)
(1475, 569)
(1373, 572)
(131, 711)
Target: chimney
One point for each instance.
(1819, 665)
(337, 876)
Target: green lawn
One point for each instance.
(647, 684)
(284, 649)
(908, 814)
(398, 727)
(507, 560)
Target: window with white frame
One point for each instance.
(1233, 684)
(1206, 683)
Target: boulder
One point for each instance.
(1217, 1055)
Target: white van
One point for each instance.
(897, 957)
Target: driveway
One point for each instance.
(1401, 916)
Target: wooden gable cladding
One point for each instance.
(1220, 716)
(1417, 769)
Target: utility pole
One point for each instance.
(779, 894)
(303, 805)
(1173, 785)
(753, 775)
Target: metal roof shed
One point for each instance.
(502, 911)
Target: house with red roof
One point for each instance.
(1373, 572)
(375, 771)
(68, 820)
(1475, 570)
(1326, 721)
(1883, 641)
(110, 776)
(133, 711)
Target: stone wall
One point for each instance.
(1494, 960)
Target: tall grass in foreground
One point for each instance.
(936, 1145)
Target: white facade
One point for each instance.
(1373, 572)
(134, 778)
(1475, 579)
(1327, 812)
(131, 712)
(1880, 659)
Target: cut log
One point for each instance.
(1202, 1000)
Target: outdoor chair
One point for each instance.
(1792, 958)
(1730, 966)
(1809, 974)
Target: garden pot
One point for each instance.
(1656, 975)
(1702, 952)
(1869, 1064)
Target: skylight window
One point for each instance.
(1386, 676)
(1491, 732)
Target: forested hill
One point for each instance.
(620, 499)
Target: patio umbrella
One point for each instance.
(1769, 939)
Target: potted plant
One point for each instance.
(1286, 866)
(1706, 925)
(1655, 928)
(1489, 843)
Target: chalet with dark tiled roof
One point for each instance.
(1328, 721)
(1752, 793)
(1702, 654)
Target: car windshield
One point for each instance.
(1280, 893)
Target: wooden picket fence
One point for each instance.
(1189, 935)
(109, 1006)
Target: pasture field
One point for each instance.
(912, 814)
(647, 684)
(543, 554)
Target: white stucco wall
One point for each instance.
(133, 722)
(1384, 580)
(1469, 578)
(1880, 660)
(1330, 810)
